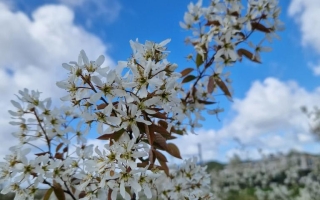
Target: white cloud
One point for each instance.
(306, 14)
(268, 118)
(315, 68)
(73, 2)
(108, 10)
(32, 50)
(188, 144)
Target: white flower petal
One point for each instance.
(122, 189)
(143, 121)
(111, 75)
(233, 55)
(155, 81)
(100, 60)
(66, 98)
(152, 101)
(114, 120)
(19, 166)
(100, 128)
(84, 57)
(49, 102)
(147, 192)
(96, 80)
(95, 97)
(143, 91)
(107, 110)
(62, 84)
(129, 84)
(14, 113)
(165, 42)
(114, 194)
(67, 66)
(147, 68)
(150, 111)
(133, 109)
(135, 130)
(119, 93)
(136, 186)
(16, 104)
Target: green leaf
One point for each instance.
(199, 60)
(188, 78)
(48, 194)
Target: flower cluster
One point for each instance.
(133, 107)
(226, 25)
(84, 171)
(221, 33)
(188, 181)
(139, 89)
(136, 107)
(291, 177)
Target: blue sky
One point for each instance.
(39, 35)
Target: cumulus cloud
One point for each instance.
(73, 2)
(315, 68)
(108, 10)
(306, 14)
(32, 50)
(269, 117)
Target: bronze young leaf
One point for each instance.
(48, 194)
(248, 55)
(58, 147)
(223, 87)
(174, 150)
(186, 71)
(260, 27)
(58, 191)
